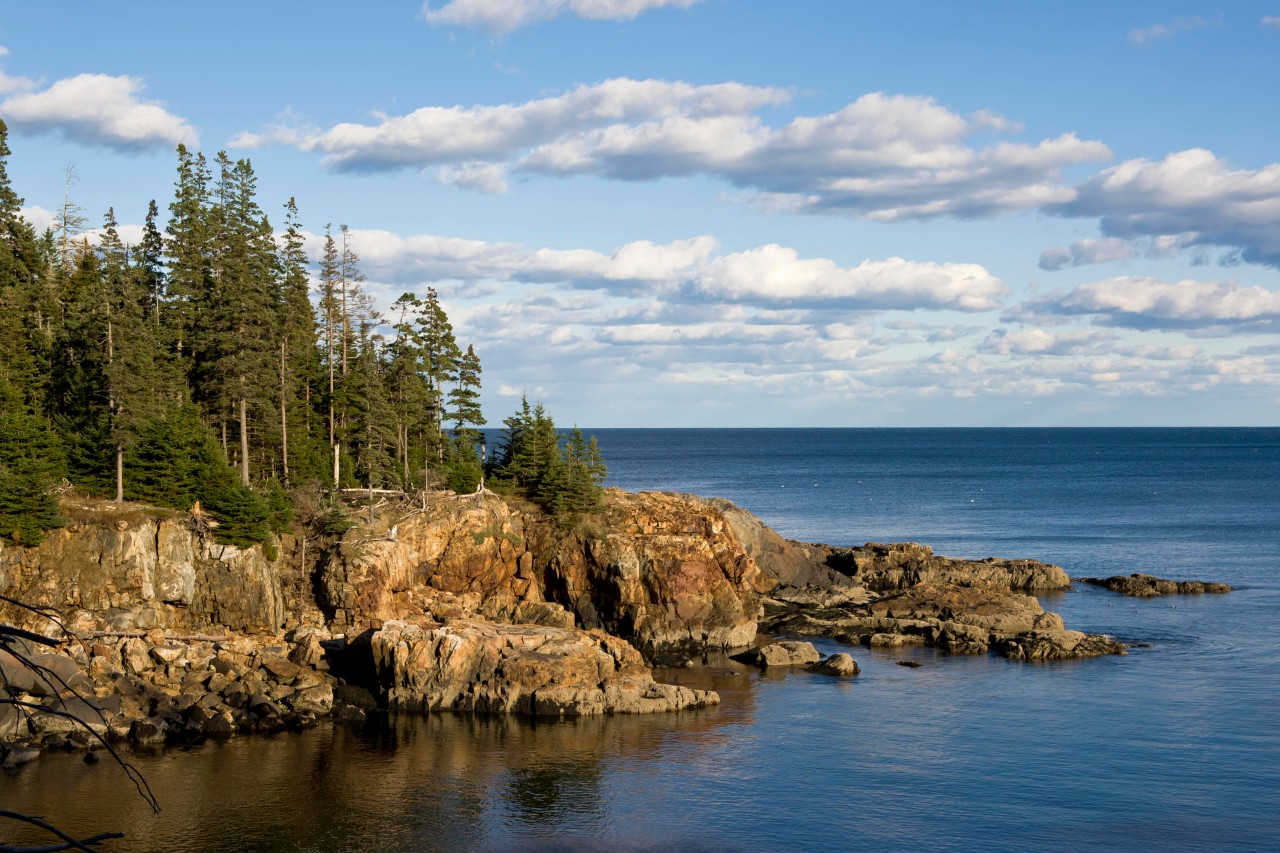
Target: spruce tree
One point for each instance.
(302, 450)
(31, 457)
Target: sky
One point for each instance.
(723, 213)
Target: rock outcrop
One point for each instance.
(128, 568)
(154, 688)
(886, 568)
(523, 669)
(1147, 586)
(961, 620)
(662, 571)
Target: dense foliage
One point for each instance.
(196, 367)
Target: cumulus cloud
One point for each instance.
(1191, 197)
(777, 274)
(1166, 32)
(1032, 341)
(885, 157)
(770, 276)
(97, 109)
(1140, 302)
(503, 16)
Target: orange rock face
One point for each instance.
(661, 570)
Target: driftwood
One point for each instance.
(186, 638)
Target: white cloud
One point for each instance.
(97, 109)
(40, 218)
(685, 270)
(1141, 302)
(776, 274)
(885, 157)
(1032, 341)
(1084, 252)
(451, 135)
(474, 175)
(503, 16)
(1166, 32)
(1191, 196)
(1270, 21)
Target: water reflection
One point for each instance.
(401, 782)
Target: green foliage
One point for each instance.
(242, 514)
(30, 465)
(461, 468)
(279, 506)
(179, 462)
(563, 480)
(334, 520)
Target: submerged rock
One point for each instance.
(523, 669)
(1142, 585)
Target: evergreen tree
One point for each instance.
(189, 262)
(302, 450)
(148, 260)
(239, 373)
(31, 458)
(440, 355)
(464, 399)
(406, 386)
(30, 465)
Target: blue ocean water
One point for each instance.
(1171, 747)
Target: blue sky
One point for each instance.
(734, 212)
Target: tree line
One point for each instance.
(195, 366)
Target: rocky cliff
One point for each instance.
(123, 568)
(663, 571)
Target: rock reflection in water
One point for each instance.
(402, 782)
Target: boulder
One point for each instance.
(522, 669)
(841, 665)
(783, 653)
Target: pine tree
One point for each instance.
(31, 457)
(329, 315)
(30, 465)
(406, 385)
(189, 262)
(301, 452)
(239, 373)
(148, 259)
(440, 355)
(464, 399)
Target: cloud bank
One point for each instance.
(1141, 302)
(884, 157)
(689, 271)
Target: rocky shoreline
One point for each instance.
(464, 603)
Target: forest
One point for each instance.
(214, 365)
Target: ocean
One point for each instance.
(1174, 746)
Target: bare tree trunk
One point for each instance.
(284, 418)
(119, 473)
(244, 441)
(335, 466)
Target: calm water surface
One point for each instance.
(1173, 747)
